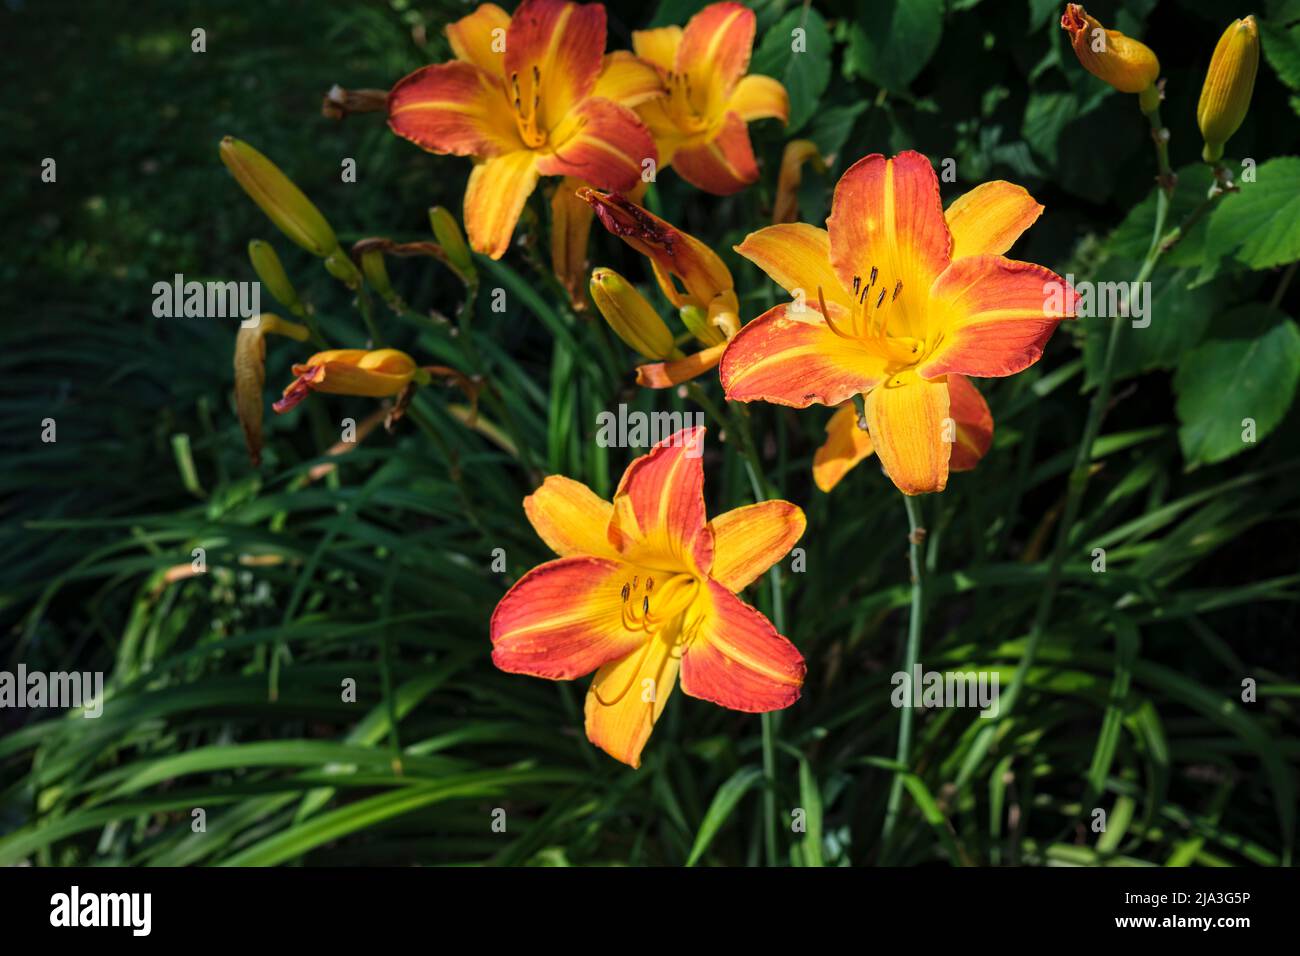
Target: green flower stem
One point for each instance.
(754, 469)
(1078, 480)
(367, 310)
(911, 655)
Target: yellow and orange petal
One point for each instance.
(974, 424)
(627, 79)
(555, 50)
(453, 108)
(795, 359)
(907, 417)
(373, 374)
(571, 518)
(749, 540)
(570, 232)
(659, 517)
(599, 142)
(797, 257)
(1121, 61)
(480, 38)
(996, 314)
(759, 97)
(714, 52)
(736, 658)
(845, 446)
(886, 215)
(498, 188)
(658, 46)
(990, 218)
(722, 165)
(627, 696)
(563, 619)
(703, 275)
(673, 373)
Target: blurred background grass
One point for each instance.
(224, 689)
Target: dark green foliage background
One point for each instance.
(1133, 705)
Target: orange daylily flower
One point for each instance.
(644, 591)
(703, 293)
(701, 124)
(891, 298)
(375, 374)
(847, 444)
(527, 96)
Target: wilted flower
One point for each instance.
(706, 299)
(1124, 63)
(374, 374)
(250, 374)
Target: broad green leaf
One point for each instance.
(797, 51)
(832, 126)
(1259, 225)
(1046, 116)
(675, 12)
(1174, 322)
(1282, 50)
(893, 40)
(1226, 381)
(1132, 237)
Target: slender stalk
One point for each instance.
(911, 655)
(1079, 473)
(767, 720)
(367, 310)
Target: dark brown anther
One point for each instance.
(897, 289)
(627, 591)
(873, 276)
(635, 580)
(645, 606)
(880, 299)
(649, 584)
(857, 281)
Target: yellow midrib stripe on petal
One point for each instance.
(733, 655)
(601, 145)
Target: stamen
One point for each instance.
(881, 299)
(826, 314)
(627, 591)
(897, 289)
(873, 275)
